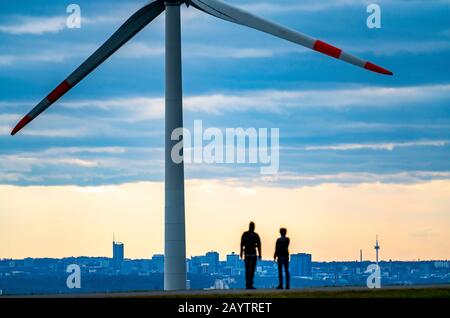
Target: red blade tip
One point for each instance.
(375, 68)
(24, 121)
(327, 49)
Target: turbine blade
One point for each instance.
(130, 28)
(229, 13)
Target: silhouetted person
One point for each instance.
(282, 257)
(250, 242)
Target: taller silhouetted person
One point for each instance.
(250, 244)
(282, 257)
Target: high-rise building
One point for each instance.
(232, 260)
(212, 258)
(301, 265)
(118, 254)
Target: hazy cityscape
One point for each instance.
(105, 274)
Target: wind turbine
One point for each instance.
(175, 241)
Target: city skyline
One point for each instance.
(225, 258)
(118, 251)
(207, 271)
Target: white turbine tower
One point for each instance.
(175, 241)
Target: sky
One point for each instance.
(360, 153)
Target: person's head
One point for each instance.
(251, 227)
(283, 232)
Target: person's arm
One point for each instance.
(241, 253)
(287, 246)
(275, 255)
(258, 242)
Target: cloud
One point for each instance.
(14, 177)
(51, 125)
(142, 50)
(57, 156)
(39, 25)
(55, 54)
(139, 51)
(208, 51)
(23, 162)
(261, 7)
(343, 178)
(35, 25)
(110, 165)
(278, 101)
(58, 132)
(77, 150)
(136, 109)
(387, 48)
(77, 162)
(114, 116)
(61, 52)
(287, 7)
(45, 56)
(78, 165)
(274, 100)
(380, 146)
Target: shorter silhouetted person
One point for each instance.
(282, 257)
(250, 244)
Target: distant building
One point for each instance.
(118, 254)
(140, 274)
(232, 260)
(232, 264)
(442, 264)
(28, 262)
(145, 266)
(196, 264)
(301, 265)
(158, 263)
(205, 264)
(424, 269)
(212, 258)
(126, 267)
(104, 263)
(205, 268)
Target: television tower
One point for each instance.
(377, 248)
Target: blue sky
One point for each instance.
(337, 123)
